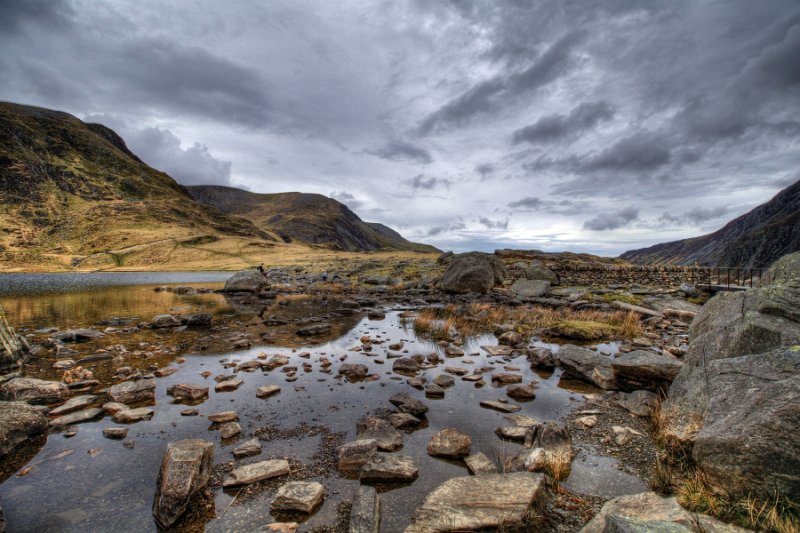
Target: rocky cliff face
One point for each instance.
(755, 239)
(305, 218)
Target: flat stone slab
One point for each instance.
(386, 437)
(479, 463)
(267, 390)
(302, 496)
(73, 404)
(497, 350)
(353, 455)
(77, 417)
(450, 443)
(500, 406)
(475, 502)
(365, 515)
(129, 416)
(223, 416)
(244, 475)
(228, 385)
(189, 392)
(141, 390)
(383, 467)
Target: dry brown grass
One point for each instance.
(777, 514)
(478, 319)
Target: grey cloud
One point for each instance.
(194, 165)
(526, 203)
(52, 14)
(556, 127)
(612, 220)
(493, 224)
(445, 228)
(503, 89)
(347, 199)
(641, 152)
(397, 150)
(193, 80)
(485, 170)
(421, 182)
(696, 215)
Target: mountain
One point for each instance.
(305, 218)
(755, 239)
(76, 188)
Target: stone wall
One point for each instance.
(593, 276)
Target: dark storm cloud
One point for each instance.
(502, 90)
(51, 14)
(612, 220)
(397, 150)
(193, 80)
(421, 182)
(556, 127)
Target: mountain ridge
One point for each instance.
(756, 239)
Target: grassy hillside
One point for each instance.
(305, 218)
(74, 189)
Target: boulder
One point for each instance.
(185, 469)
(365, 514)
(34, 391)
(387, 438)
(749, 443)
(643, 370)
(732, 324)
(528, 288)
(19, 422)
(473, 503)
(537, 271)
(131, 392)
(246, 281)
(649, 507)
(588, 365)
(244, 475)
(387, 468)
(300, 496)
(473, 272)
(450, 443)
(76, 335)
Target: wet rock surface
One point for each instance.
(19, 422)
(185, 470)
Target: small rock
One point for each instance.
(244, 475)
(479, 463)
(382, 468)
(115, 433)
(302, 496)
(450, 443)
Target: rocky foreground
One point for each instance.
(729, 371)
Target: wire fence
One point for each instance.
(730, 276)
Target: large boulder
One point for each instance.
(537, 271)
(18, 423)
(528, 288)
(731, 325)
(473, 272)
(588, 365)
(749, 442)
(246, 281)
(34, 391)
(644, 370)
(656, 513)
(185, 469)
(476, 502)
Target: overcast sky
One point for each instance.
(559, 125)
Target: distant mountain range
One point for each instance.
(72, 193)
(755, 239)
(306, 218)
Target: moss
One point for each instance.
(582, 330)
